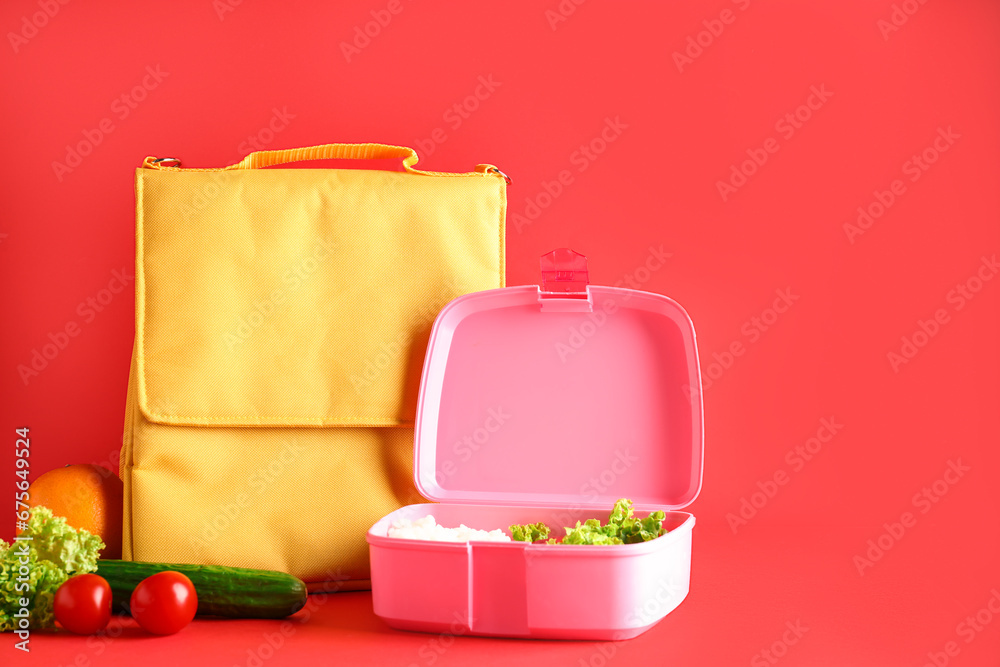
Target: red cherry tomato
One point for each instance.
(83, 604)
(164, 602)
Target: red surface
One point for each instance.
(212, 84)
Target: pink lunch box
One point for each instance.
(548, 405)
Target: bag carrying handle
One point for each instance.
(262, 159)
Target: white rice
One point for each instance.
(428, 529)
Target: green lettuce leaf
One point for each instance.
(34, 569)
(529, 532)
(622, 528)
(71, 550)
(634, 530)
(592, 532)
(621, 511)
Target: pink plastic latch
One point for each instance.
(564, 273)
(564, 282)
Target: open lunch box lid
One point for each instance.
(568, 395)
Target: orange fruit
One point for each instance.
(88, 497)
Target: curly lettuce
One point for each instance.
(592, 532)
(529, 532)
(632, 530)
(47, 553)
(622, 528)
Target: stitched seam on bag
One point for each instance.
(414, 172)
(140, 288)
(500, 229)
(266, 421)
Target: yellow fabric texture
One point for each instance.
(282, 317)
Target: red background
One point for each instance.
(888, 91)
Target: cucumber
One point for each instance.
(232, 592)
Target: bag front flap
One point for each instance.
(301, 297)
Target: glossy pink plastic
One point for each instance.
(548, 406)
